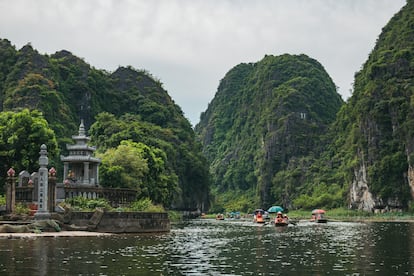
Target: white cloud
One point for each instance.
(191, 44)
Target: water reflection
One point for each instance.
(210, 247)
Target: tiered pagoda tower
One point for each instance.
(81, 168)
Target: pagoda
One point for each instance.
(80, 167)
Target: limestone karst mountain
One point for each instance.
(264, 118)
(66, 89)
(375, 134)
(273, 130)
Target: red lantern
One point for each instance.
(52, 171)
(11, 172)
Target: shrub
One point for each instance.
(86, 204)
(2, 200)
(146, 205)
(21, 209)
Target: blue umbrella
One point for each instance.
(275, 209)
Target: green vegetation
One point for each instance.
(80, 203)
(373, 131)
(86, 204)
(21, 209)
(277, 127)
(43, 99)
(264, 130)
(165, 168)
(123, 167)
(344, 214)
(174, 216)
(242, 201)
(21, 134)
(276, 133)
(146, 205)
(323, 196)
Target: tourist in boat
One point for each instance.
(279, 217)
(281, 220)
(258, 216)
(219, 217)
(318, 215)
(285, 219)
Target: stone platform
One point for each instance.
(52, 234)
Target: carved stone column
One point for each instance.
(65, 170)
(42, 200)
(86, 173)
(52, 190)
(10, 191)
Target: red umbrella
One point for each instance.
(318, 211)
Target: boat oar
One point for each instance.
(293, 222)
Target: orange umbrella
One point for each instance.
(318, 211)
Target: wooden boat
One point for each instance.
(281, 224)
(235, 215)
(281, 220)
(220, 217)
(258, 216)
(318, 216)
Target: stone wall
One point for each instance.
(124, 222)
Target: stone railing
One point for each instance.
(116, 197)
(123, 222)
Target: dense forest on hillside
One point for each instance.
(127, 107)
(277, 132)
(263, 126)
(373, 142)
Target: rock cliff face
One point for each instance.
(264, 117)
(360, 195)
(264, 129)
(380, 116)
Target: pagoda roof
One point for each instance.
(80, 138)
(80, 147)
(80, 158)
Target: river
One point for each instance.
(229, 247)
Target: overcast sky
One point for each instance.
(191, 44)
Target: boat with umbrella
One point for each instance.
(275, 209)
(318, 215)
(280, 219)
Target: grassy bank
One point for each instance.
(343, 214)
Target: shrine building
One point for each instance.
(80, 167)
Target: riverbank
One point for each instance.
(345, 215)
(52, 234)
(340, 214)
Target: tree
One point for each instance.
(140, 167)
(124, 167)
(177, 172)
(21, 135)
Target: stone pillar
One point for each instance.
(42, 200)
(52, 190)
(97, 175)
(10, 191)
(65, 171)
(86, 173)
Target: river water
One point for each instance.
(229, 247)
